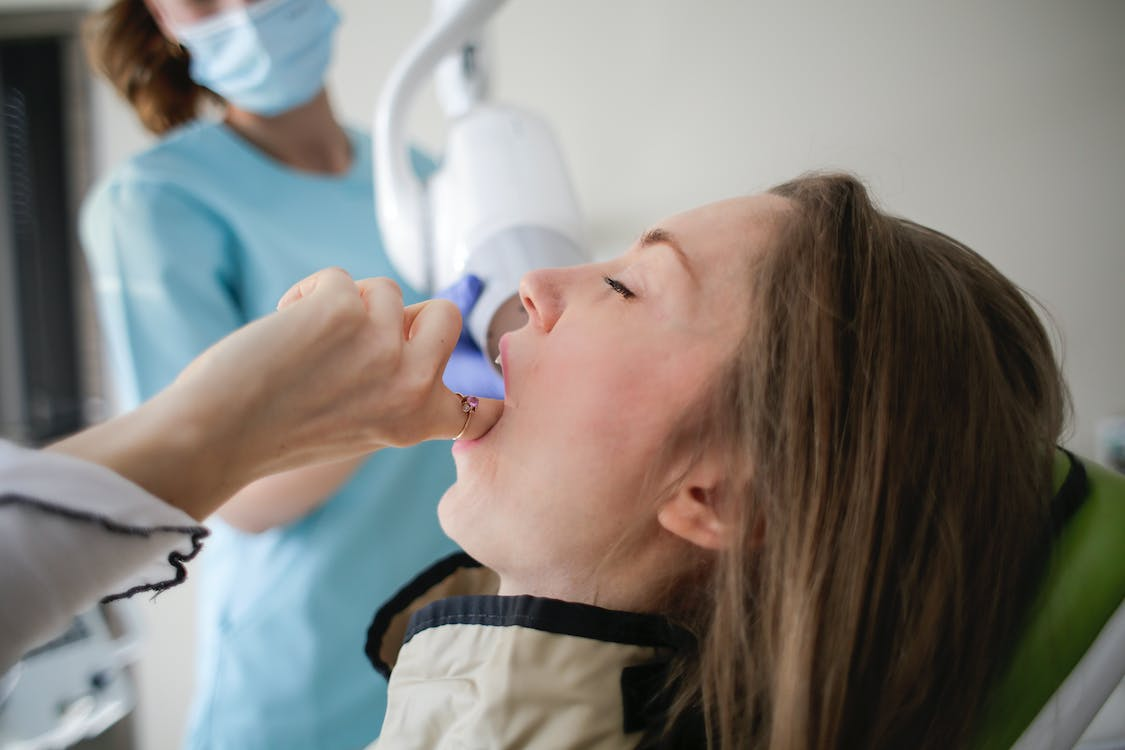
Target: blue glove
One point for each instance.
(469, 370)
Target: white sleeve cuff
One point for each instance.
(87, 493)
(72, 532)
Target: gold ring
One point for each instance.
(469, 407)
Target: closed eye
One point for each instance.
(618, 287)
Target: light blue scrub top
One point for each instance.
(186, 242)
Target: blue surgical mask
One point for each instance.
(267, 57)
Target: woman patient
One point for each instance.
(777, 477)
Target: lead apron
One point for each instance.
(473, 670)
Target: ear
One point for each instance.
(692, 512)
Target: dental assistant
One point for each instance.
(200, 234)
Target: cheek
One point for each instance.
(594, 395)
(566, 464)
(583, 454)
(556, 485)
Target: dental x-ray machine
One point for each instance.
(501, 202)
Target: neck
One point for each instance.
(307, 138)
(638, 579)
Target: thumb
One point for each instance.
(431, 330)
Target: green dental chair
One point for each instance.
(1070, 654)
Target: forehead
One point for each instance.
(189, 11)
(720, 240)
(722, 237)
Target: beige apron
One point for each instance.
(484, 671)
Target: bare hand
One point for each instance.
(340, 370)
(397, 354)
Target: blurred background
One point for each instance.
(1002, 124)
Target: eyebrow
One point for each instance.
(660, 236)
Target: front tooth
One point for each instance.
(497, 360)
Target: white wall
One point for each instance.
(1000, 123)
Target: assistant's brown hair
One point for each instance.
(891, 418)
(124, 44)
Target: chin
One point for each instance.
(457, 510)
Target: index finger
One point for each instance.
(383, 299)
(309, 284)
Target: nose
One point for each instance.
(542, 297)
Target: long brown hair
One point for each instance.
(891, 418)
(124, 44)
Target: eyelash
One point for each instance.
(618, 287)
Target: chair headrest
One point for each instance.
(1083, 585)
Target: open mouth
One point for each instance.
(502, 360)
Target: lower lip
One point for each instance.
(460, 446)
